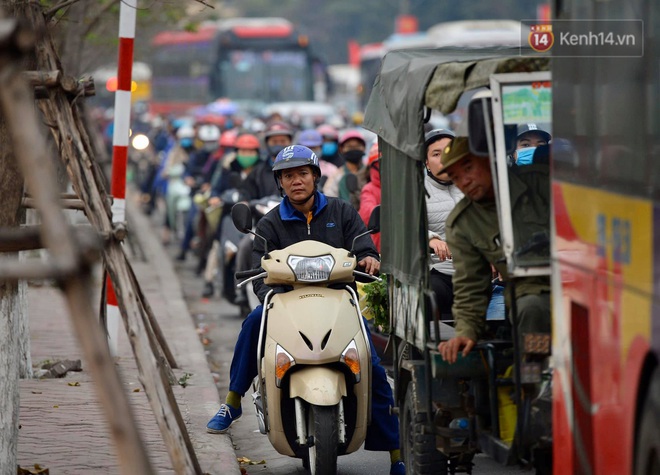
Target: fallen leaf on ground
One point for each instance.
(56, 407)
(75, 383)
(247, 461)
(35, 470)
(136, 390)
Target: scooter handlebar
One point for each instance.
(364, 275)
(249, 276)
(245, 274)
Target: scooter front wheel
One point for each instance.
(322, 426)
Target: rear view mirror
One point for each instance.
(374, 220)
(242, 217)
(479, 108)
(374, 226)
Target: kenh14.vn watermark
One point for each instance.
(584, 38)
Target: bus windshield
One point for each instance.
(267, 75)
(257, 60)
(181, 72)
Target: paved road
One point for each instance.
(218, 323)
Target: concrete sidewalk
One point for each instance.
(62, 424)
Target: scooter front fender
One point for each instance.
(318, 385)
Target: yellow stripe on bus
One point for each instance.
(621, 230)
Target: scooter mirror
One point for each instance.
(242, 217)
(374, 220)
(374, 226)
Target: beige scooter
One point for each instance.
(313, 388)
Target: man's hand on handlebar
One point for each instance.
(371, 265)
(449, 349)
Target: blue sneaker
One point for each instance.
(223, 420)
(398, 468)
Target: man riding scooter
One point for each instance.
(308, 214)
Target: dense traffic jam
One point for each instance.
(497, 230)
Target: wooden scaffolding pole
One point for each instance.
(153, 358)
(18, 107)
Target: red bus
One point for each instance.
(258, 60)
(606, 276)
(180, 63)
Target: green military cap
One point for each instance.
(455, 151)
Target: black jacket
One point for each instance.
(261, 182)
(334, 222)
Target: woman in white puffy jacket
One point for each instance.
(441, 197)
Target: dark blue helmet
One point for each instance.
(296, 156)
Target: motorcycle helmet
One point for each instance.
(295, 156)
(228, 138)
(208, 133)
(185, 132)
(437, 134)
(374, 154)
(247, 141)
(430, 138)
(351, 134)
(328, 132)
(278, 128)
(310, 138)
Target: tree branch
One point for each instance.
(52, 11)
(95, 20)
(204, 3)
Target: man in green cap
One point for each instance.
(473, 235)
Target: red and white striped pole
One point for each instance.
(120, 137)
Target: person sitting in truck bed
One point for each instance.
(441, 197)
(473, 235)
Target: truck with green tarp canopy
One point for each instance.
(428, 391)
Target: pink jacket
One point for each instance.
(369, 199)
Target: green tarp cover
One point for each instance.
(409, 80)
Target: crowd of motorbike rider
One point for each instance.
(202, 167)
(205, 168)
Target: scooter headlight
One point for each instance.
(140, 142)
(283, 362)
(351, 358)
(311, 269)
